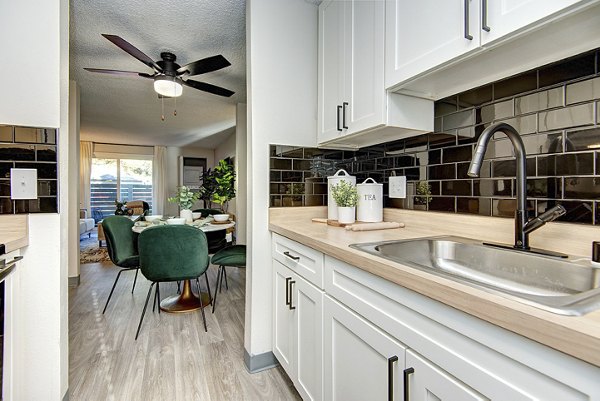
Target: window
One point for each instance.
(131, 179)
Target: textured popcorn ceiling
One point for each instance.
(126, 110)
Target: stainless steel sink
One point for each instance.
(563, 286)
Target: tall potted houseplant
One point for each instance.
(223, 175)
(185, 198)
(345, 196)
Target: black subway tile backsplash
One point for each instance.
(26, 147)
(554, 108)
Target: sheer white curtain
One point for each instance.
(159, 172)
(86, 152)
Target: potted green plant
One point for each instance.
(223, 175)
(345, 196)
(185, 198)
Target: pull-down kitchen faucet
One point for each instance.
(523, 226)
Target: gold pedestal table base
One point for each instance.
(187, 301)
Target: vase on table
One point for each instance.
(346, 215)
(187, 215)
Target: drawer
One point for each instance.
(299, 258)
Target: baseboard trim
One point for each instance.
(260, 362)
(66, 396)
(74, 281)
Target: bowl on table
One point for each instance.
(220, 218)
(176, 221)
(153, 217)
(196, 215)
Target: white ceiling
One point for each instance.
(126, 110)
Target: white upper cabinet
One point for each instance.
(352, 98)
(501, 17)
(438, 48)
(364, 73)
(331, 69)
(423, 34)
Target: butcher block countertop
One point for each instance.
(578, 336)
(13, 232)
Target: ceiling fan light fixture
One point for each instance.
(168, 86)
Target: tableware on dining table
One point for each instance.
(176, 221)
(221, 222)
(153, 217)
(220, 218)
(196, 215)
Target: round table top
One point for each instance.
(206, 228)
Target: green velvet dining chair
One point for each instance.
(172, 253)
(121, 246)
(234, 256)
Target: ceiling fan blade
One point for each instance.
(205, 65)
(133, 51)
(118, 72)
(203, 86)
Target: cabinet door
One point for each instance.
(283, 320)
(428, 382)
(308, 301)
(358, 358)
(364, 66)
(424, 34)
(330, 69)
(502, 17)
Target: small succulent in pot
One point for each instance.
(345, 196)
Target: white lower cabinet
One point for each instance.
(362, 337)
(359, 358)
(298, 331)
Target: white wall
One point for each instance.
(226, 148)
(281, 39)
(241, 163)
(73, 177)
(35, 93)
(172, 179)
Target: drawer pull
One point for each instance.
(296, 258)
(12, 262)
(292, 294)
(287, 290)
(468, 36)
(391, 361)
(407, 372)
(484, 10)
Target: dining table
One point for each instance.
(186, 300)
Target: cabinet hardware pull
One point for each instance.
(344, 115)
(407, 372)
(292, 294)
(296, 258)
(484, 7)
(287, 290)
(12, 262)
(391, 361)
(467, 35)
(339, 108)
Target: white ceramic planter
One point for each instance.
(370, 201)
(340, 175)
(345, 215)
(187, 215)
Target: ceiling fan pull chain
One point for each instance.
(162, 103)
(175, 109)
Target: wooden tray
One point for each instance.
(221, 222)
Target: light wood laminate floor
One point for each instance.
(173, 359)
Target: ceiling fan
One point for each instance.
(169, 77)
